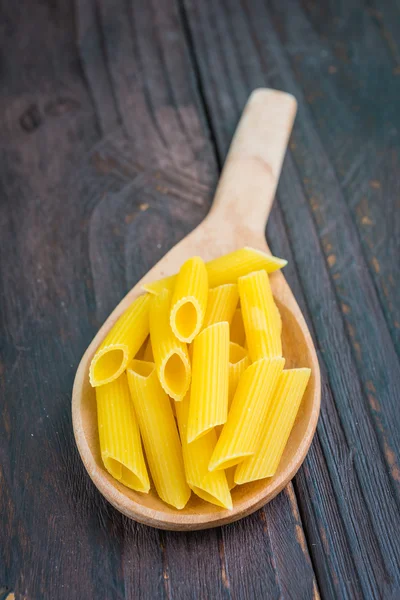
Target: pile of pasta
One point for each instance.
(190, 382)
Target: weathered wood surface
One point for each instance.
(349, 488)
(114, 117)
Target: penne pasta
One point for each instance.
(159, 433)
(238, 363)
(227, 269)
(230, 476)
(122, 343)
(261, 317)
(221, 304)
(120, 444)
(148, 352)
(238, 335)
(276, 427)
(210, 379)
(189, 300)
(140, 353)
(212, 487)
(250, 404)
(190, 383)
(170, 354)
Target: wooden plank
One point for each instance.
(366, 156)
(365, 153)
(323, 523)
(194, 565)
(61, 540)
(370, 338)
(347, 437)
(106, 164)
(349, 434)
(271, 537)
(44, 318)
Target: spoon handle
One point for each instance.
(246, 189)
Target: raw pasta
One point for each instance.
(230, 476)
(276, 427)
(238, 363)
(210, 380)
(148, 352)
(240, 433)
(221, 305)
(121, 343)
(204, 387)
(140, 353)
(170, 354)
(227, 269)
(159, 433)
(189, 300)
(120, 444)
(261, 317)
(212, 487)
(238, 335)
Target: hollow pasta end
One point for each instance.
(108, 364)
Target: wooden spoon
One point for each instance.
(238, 216)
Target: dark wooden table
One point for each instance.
(115, 119)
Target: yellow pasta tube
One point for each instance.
(159, 433)
(120, 444)
(230, 476)
(121, 343)
(221, 305)
(238, 363)
(212, 487)
(140, 353)
(261, 317)
(148, 352)
(189, 300)
(170, 354)
(210, 379)
(238, 335)
(276, 427)
(227, 269)
(240, 433)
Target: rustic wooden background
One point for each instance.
(115, 118)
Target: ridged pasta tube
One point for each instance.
(120, 443)
(250, 404)
(276, 428)
(212, 487)
(121, 343)
(210, 380)
(170, 354)
(227, 269)
(159, 433)
(189, 300)
(238, 363)
(262, 322)
(221, 304)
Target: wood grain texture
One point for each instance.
(370, 340)
(365, 157)
(107, 162)
(341, 501)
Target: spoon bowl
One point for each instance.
(241, 206)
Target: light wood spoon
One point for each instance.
(238, 216)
